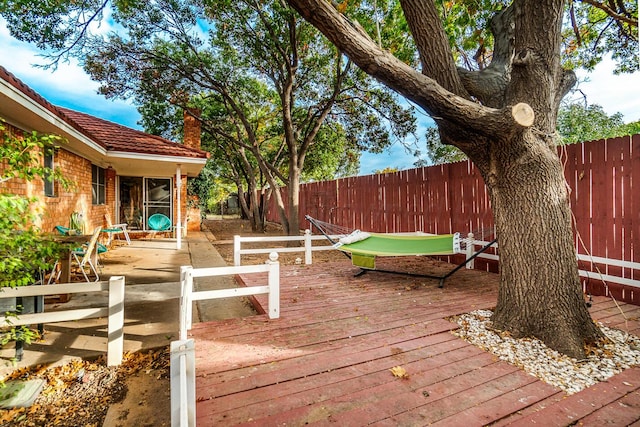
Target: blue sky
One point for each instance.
(70, 87)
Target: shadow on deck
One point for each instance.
(327, 359)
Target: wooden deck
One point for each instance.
(327, 360)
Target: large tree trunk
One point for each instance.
(504, 120)
(540, 293)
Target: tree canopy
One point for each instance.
(265, 83)
(492, 75)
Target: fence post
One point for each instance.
(274, 286)
(183, 383)
(470, 250)
(115, 328)
(307, 247)
(236, 250)
(186, 305)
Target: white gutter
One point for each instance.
(34, 107)
(155, 157)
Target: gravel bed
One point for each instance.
(534, 357)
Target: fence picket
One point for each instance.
(452, 197)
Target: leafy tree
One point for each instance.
(24, 251)
(490, 75)
(308, 95)
(579, 123)
(388, 169)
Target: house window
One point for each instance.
(97, 185)
(49, 182)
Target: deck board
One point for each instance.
(327, 359)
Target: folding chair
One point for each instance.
(81, 258)
(116, 229)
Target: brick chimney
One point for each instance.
(192, 128)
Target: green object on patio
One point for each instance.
(66, 231)
(20, 394)
(159, 222)
(364, 252)
(364, 261)
(403, 245)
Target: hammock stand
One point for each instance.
(363, 252)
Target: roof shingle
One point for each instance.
(115, 137)
(111, 136)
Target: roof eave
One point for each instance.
(136, 164)
(29, 115)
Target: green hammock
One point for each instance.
(363, 248)
(364, 252)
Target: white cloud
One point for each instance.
(615, 93)
(68, 86)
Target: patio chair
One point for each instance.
(159, 222)
(115, 229)
(66, 231)
(81, 258)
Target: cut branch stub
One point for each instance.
(523, 114)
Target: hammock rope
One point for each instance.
(363, 252)
(327, 229)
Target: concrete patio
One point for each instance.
(152, 271)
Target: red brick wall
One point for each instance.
(192, 129)
(57, 210)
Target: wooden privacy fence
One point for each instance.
(603, 178)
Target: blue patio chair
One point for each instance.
(159, 222)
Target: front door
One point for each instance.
(157, 197)
(142, 197)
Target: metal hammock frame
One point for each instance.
(333, 232)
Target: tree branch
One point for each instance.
(612, 13)
(424, 91)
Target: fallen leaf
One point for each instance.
(399, 372)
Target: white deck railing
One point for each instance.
(597, 275)
(307, 248)
(114, 310)
(183, 403)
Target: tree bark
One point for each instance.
(510, 138)
(540, 294)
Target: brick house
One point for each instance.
(120, 172)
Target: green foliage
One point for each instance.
(20, 334)
(23, 249)
(598, 28)
(593, 29)
(577, 123)
(388, 169)
(440, 153)
(24, 252)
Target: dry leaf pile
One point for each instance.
(79, 393)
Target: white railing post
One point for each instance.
(307, 247)
(183, 383)
(115, 329)
(470, 250)
(186, 304)
(236, 250)
(274, 286)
